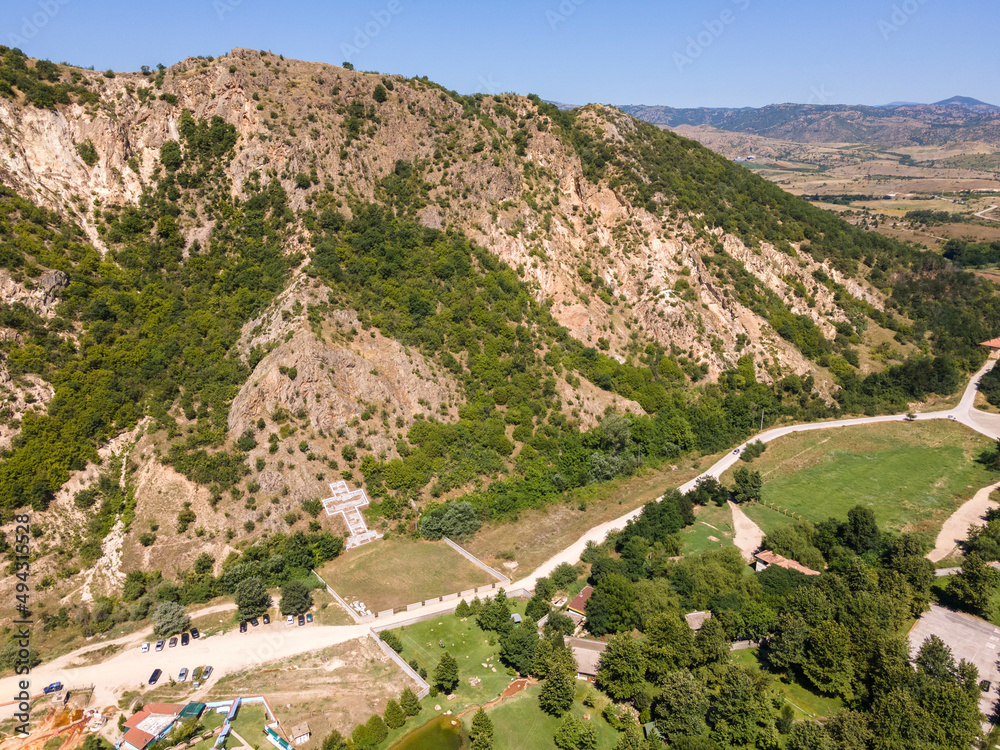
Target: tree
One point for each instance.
(631, 738)
(973, 586)
(828, 664)
(295, 597)
(568, 735)
(252, 599)
(334, 741)
(463, 609)
(611, 608)
(556, 695)
(861, 533)
(377, 729)
(446, 673)
(710, 643)
(681, 708)
(741, 714)
(623, 668)
(481, 732)
(409, 703)
(808, 735)
(394, 716)
(669, 645)
(747, 485)
(169, 618)
(379, 94)
(518, 645)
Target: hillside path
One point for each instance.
(747, 535)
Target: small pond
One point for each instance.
(437, 734)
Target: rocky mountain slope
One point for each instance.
(269, 274)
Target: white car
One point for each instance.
(144, 647)
(289, 620)
(182, 677)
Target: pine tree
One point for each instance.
(409, 703)
(568, 735)
(631, 738)
(377, 729)
(543, 655)
(463, 609)
(394, 716)
(446, 673)
(481, 732)
(557, 691)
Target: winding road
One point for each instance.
(234, 651)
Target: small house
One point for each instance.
(300, 734)
(149, 725)
(579, 603)
(767, 558)
(515, 618)
(695, 620)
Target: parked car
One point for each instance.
(55, 687)
(195, 634)
(289, 620)
(182, 677)
(206, 673)
(243, 627)
(267, 619)
(254, 621)
(160, 644)
(144, 647)
(302, 619)
(309, 617)
(185, 639)
(155, 676)
(985, 686)
(173, 641)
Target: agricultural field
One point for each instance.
(395, 572)
(913, 475)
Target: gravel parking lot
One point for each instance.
(977, 641)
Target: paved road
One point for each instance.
(234, 651)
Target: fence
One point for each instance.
(476, 561)
(423, 686)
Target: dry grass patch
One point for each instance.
(397, 571)
(540, 533)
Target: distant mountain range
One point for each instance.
(959, 118)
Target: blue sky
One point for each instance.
(681, 52)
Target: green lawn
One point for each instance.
(249, 724)
(519, 724)
(395, 572)
(471, 648)
(209, 721)
(912, 474)
(807, 704)
(710, 521)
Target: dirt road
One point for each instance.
(234, 651)
(955, 529)
(748, 535)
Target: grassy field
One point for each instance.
(395, 572)
(713, 528)
(807, 704)
(912, 474)
(519, 724)
(471, 647)
(540, 533)
(248, 724)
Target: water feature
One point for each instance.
(437, 734)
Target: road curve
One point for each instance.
(234, 651)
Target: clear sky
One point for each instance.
(683, 53)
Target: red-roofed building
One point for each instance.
(579, 603)
(149, 725)
(767, 558)
(993, 345)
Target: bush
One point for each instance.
(87, 152)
